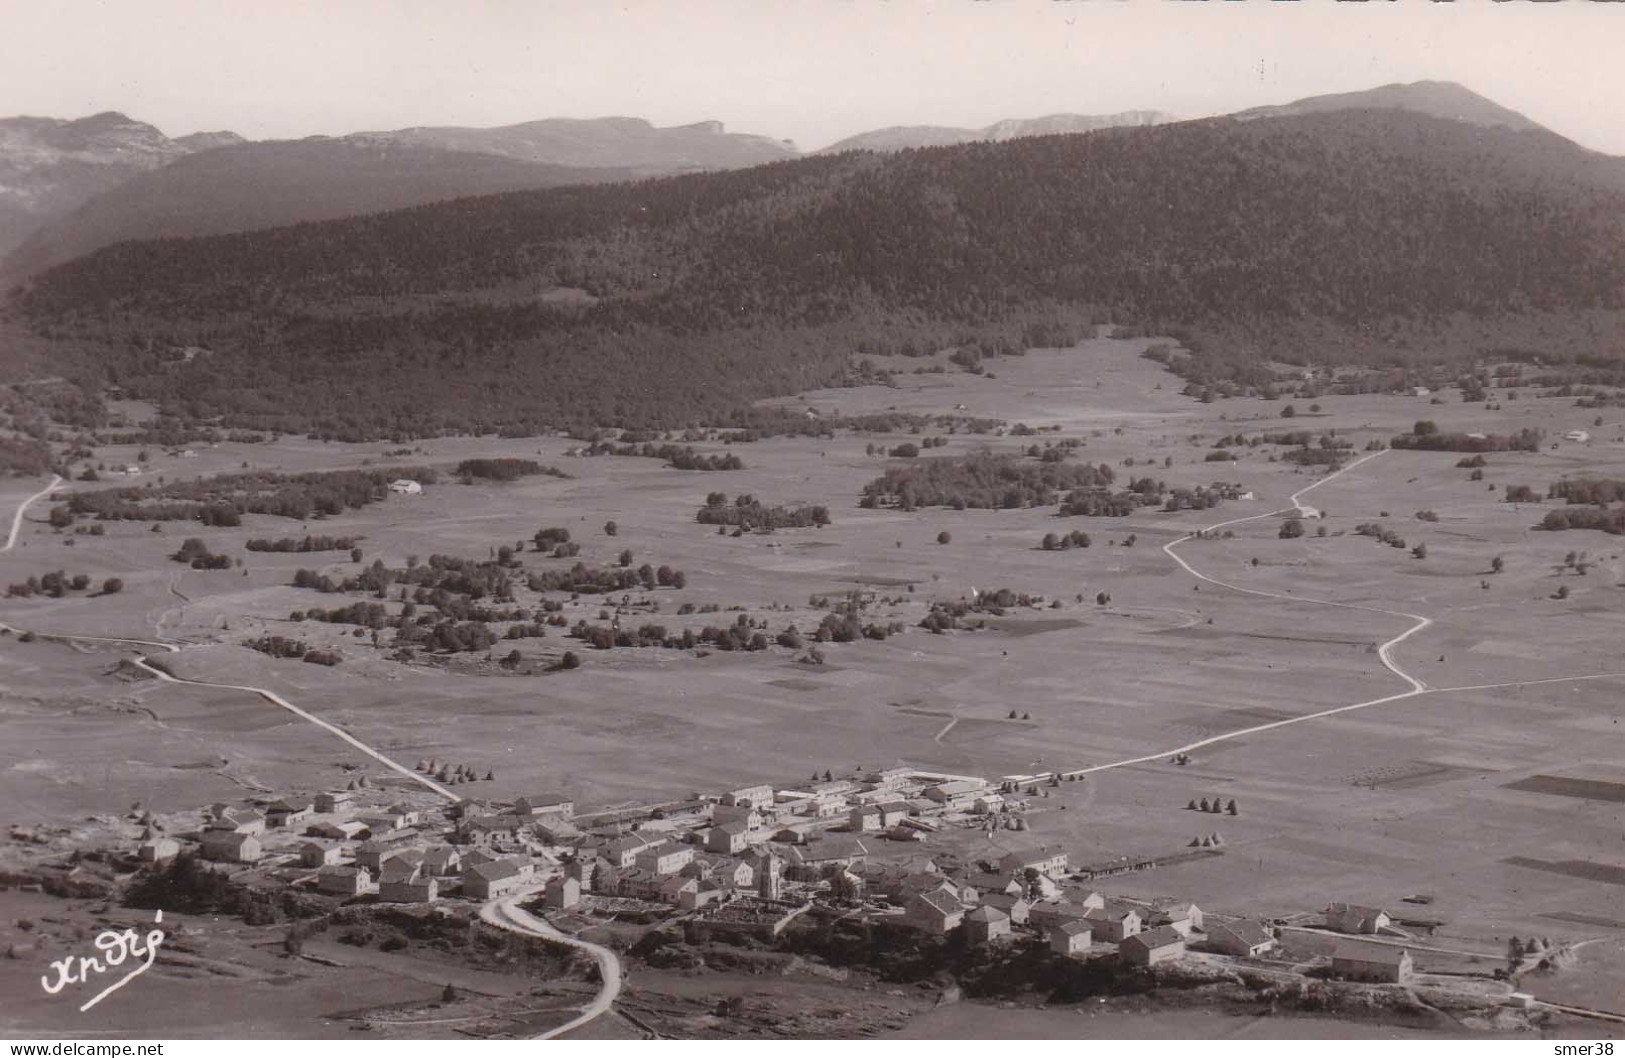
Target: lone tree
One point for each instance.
(610, 528)
(1497, 564)
(1291, 529)
(448, 994)
(1420, 551)
(112, 586)
(944, 537)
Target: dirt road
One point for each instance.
(505, 913)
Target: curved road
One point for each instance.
(17, 519)
(269, 695)
(1384, 651)
(505, 913)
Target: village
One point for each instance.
(753, 859)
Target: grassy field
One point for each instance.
(1411, 796)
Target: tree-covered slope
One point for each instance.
(1361, 230)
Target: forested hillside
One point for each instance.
(1355, 236)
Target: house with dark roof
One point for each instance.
(666, 858)
(623, 851)
(545, 804)
(562, 893)
(1114, 922)
(1043, 859)
(1245, 939)
(729, 838)
(1356, 918)
(1185, 917)
(986, 924)
(1382, 963)
(1016, 907)
(286, 812)
(1153, 946)
(343, 881)
(230, 846)
(934, 911)
(316, 854)
(404, 882)
(333, 801)
(1071, 937)
(443, 861)
(497, 878)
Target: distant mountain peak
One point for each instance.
(903, 137)
(1440, 99)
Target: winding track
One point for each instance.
(1384, 651)
(269, 695)
(17, 519)
(505, 913)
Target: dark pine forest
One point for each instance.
(1374, 237)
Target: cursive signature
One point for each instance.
(116, 947)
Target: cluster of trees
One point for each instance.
(747, 512)
(1608, 520)
(1064, 541)
(582, 579)
(223, 499)
(981, 480)
(1376, 531)
(283, 647)
(303, 545)
(682, 457)
(1596, 491)
(25, 457)
(57, 584)
(504, 469)
(196, 553)
(1145, 492)
(366, 614)
(1426, 436)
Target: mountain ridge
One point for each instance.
(1368, 236)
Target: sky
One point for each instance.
(812, 71)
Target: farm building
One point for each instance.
(668, 858)
(285, 813)
(1043, 860)
(336, 831)
(563, 893)
(487, 880)
(406, 883)
(343, 881)
(935, 911)
(545, 804)
(1114, 922)
(372, 854)
(1245, 939)
(1356, 918)
(315, 854)
(238, 820)
(332, 801)
(405, 487)
(1184, 917)
(987, 924)
(157, 847)
(1372, 963)
(758, 796)
(1070, 937)
(443, 861)
(1163, 944)
(866, 818)
(728, 838)
(751, 817)
(230, 846)
(1017, 907)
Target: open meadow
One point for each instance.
(1454, 793)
